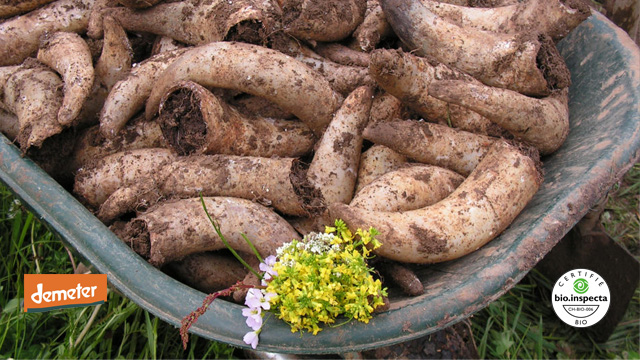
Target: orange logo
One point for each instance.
(44, 292)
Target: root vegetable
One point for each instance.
(258, 71)
(407, 77)
(114, 63)
(322, 20)
(333, 170)
(165, 43)
(13, 8)
(197, 23)
(373, 28)
(528, 63)
(402, 276)
(343, 55)
(386, 107)
(343, 78)
(376, 161)
(543, 123)
(97, 181)
(484, 205)
(95, 26)
(208, 271)
(407, 188)
(432, 144)
(9, 125)
(20, 35)
(139, 4)
(194, 121)
(334, 167)
(174, 230)
(69, 55)
(34, 94)
(277, 182)
(129, 95)
(90, 144)
(255, 105)
(555, 18)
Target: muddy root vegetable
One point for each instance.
(95, 26)
(115, 60)
(407, 188)
(432, 144)
(407, 77)
(174, 230)
(343, 55)
(91, 145)
(13, 8)
(208, 271)
(277, 182)
(322, 20)
(129, 95)
(20, 35)
(402, 276)
(555, 18)
(34, 94)
(543, 123)
(334, 167)
(386, 107)
(342, 78)
(373, 28)
(195, 121)
(165, 43)
(484, 205)
(528, 63)
(9, 125)
(197, 23)
(139, 4)
(333, 170)
(97, 181)
(376, 161)
(258, 71)
(69, 55)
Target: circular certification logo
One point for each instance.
(580, 298)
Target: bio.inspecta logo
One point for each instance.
(44, 292)
(580, 298)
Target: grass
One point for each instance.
(521, 324)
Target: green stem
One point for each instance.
(216, 226)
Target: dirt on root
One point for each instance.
(552, 65)
(249, 31)
(312, 199)
(135, 234)
(182, 123)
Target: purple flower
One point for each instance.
(255, 298)
(254, 317)
(251, 338)
(267, 266)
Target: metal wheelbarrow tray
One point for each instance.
(603, 143)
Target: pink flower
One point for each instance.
(254, 317)
(251, 338)
(255, 298)
(267, 266)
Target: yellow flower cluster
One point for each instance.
(325, 276)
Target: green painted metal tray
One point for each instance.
(603, 143)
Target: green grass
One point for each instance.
(521, 324)
(115, 329)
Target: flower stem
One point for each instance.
(216, 226)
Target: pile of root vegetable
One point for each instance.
(421, 118)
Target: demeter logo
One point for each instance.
(44, 292)
(580, 298)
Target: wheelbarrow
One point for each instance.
(603, 143)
